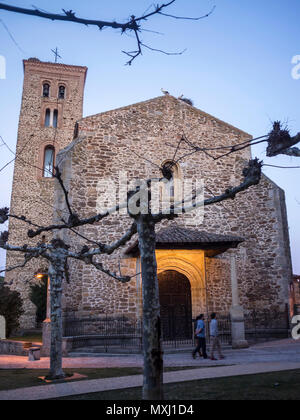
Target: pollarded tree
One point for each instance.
(57, 253)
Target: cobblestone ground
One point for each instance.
(284, 351)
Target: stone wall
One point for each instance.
(119, 141)
(32, 194)
(16, 348)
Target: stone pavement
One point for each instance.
(269, 357)
(277, 351)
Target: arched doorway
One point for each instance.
(176, 305)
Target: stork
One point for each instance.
(165, 92)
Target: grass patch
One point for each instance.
(23, 378)
(268, 386)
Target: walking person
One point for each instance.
(201, 338)
(195, 336)
(214, 338)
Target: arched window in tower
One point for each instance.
(49, 156)
(55, 118)
(47, 117)
(61, 92)
(46, 90)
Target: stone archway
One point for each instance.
(175, 305)
(191, 264)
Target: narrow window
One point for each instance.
(47, 117)
(55, 118)
(48, 162)
(61, 92)
(168, 172)
(172, 182)
(46, 90)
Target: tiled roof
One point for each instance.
(176, 237)
(180, 235)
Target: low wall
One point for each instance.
(16, 348)
(263, 336)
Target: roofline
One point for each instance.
(59, 66)
(244, 133)
(133, 250)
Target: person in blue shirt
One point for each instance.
(201, 337)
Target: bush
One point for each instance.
(38, 296)
(11, 307)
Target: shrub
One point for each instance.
(11, 307)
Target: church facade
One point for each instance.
(235, 254)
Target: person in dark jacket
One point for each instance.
(195, 336)
(201, 338)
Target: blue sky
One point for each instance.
(237, 67)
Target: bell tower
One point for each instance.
(52, 103)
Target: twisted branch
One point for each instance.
(132, 25)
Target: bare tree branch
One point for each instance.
(132, 25)
(27, 258)
(282, 167)
(69, 16)
(189, 18)
(292, 151)
(88, 259)
(252, 175)
(58, 176)
(77, 223)
(122, 241)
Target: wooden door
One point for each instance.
(176, 305)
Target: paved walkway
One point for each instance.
(270, 357)
(98, 385)
(278, 351)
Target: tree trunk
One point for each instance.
(152, 339)
(56, 273)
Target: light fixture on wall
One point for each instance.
(40, 276)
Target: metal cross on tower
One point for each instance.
(55, 52)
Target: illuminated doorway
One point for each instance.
(176, 305)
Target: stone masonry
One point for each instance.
(32, 194)
(117, 141)
(136, 140)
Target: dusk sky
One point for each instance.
(237, 67)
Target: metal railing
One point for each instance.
(106, 332)
(225, 330)
(297, 309)
(266, 324)
(122, 333)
